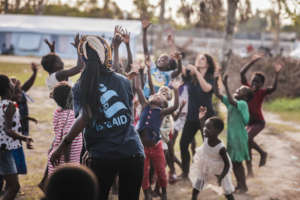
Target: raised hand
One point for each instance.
(34, 67)
(117, 40)
(177, 55)
(51, 46)
(277, 66)
(202, 112)
(170, 39)
(76, 41)
(146, 24)
(256, 57)
(176, 84)
(118, 30)
(126, 36)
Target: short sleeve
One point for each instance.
(242, 106)
(225, 101)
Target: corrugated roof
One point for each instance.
(64, 25)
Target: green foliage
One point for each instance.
(283, 105)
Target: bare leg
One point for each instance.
(195, 194)
(13, 186)
(239, 173)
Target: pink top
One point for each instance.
(62, 122)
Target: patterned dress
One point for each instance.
(62, 122)
(7, 142)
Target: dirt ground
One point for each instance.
(278, 180)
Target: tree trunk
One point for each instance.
(228, 39)
(40, 7)
(162, 12)
(5, 6)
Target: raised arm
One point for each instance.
(143, 101)
(216, 88)
(226, 161)
(177, 114)
(171, 109)
(176, 72)
(117, 39)
(29, 83)
(206, 87)
(146, 24)
(126, 40)
(277, 67)
(150, 82)
(229, 96)
(247, 66)
(65, 74)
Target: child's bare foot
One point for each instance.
(263, 159)
(172, 178)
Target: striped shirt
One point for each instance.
(62, 122)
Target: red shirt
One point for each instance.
(255, 105)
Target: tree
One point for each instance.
(144, 8)
(229, 31)
(186, 11)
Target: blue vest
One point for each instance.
(150, 118)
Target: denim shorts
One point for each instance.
(7, 163)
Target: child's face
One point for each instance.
(157, 99)
(256, 83)
(209, 129)
(165, 91)
(241, 93)
(163, 63)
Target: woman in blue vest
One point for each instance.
(105, 101)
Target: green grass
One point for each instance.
(287, 108)
(23, 72)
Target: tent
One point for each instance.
(25, 33)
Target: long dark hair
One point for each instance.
(89, 78)
(211, 67)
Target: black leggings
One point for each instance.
(130, 173)
(189, 130)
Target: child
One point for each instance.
(55, 67)
(237, 137)
(10, 137)
(153, 112)
(72, 182)
(164, 68)
(62, 122)
(211, 159)
(257, 121)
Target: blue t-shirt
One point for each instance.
(197, 98)
(159, 78)
(110, 133)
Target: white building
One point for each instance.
(26, 33)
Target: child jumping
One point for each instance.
(53, 64)
(237, 137)
(257, 121)
(63, 120)
(10, 137)
(153, 112)
(211, 159)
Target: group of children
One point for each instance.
(160, 111)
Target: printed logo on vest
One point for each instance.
(115, 111)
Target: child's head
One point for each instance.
(165, 63)
(166, 92)
(258, 80)
(6, 88)
(52, 62)
(243, 93)
(62, 95)
(72, 182)
(159, 100)
(213, 127)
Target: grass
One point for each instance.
(287, 108)
(23, 72)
